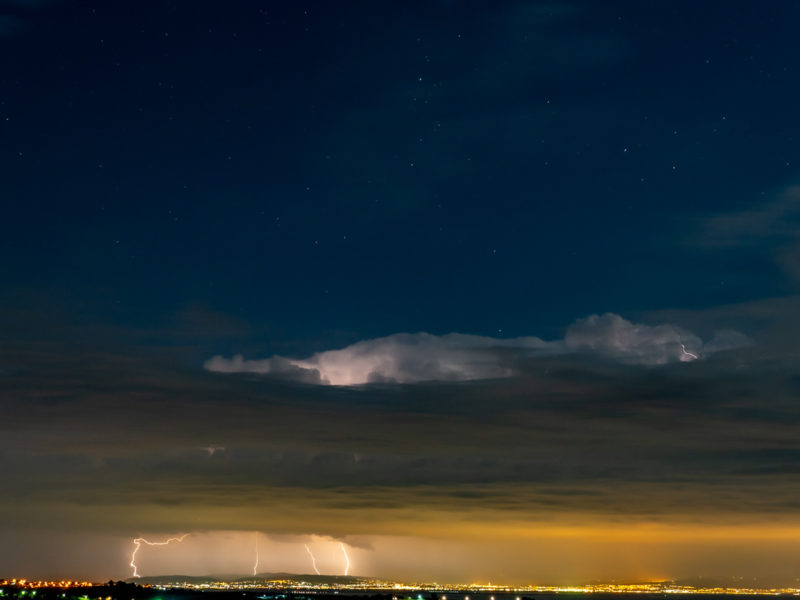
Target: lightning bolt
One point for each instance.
(255, 566)
(347, 558)
(137, 542)
(686, 355)
(313, 560)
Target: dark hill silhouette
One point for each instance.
(259, 579)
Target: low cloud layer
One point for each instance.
(417, 357)
(582, 446)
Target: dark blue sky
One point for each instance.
(333, 171)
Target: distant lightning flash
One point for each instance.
(347, 558)
(255, 566)
(686, 355)
(137, 542)
(313, 560)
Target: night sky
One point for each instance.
(501, 290)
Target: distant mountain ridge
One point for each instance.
(260, 578)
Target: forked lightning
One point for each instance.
(313, 560)
(347, 558)
(137, 542)
(255, 566)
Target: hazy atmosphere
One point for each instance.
(443, 290)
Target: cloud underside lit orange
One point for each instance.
(427, 544)
(564, 474)
(643, 511)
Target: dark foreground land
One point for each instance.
(121, 590)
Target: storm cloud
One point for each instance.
(591, 429)
(412, 358)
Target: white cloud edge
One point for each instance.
(417, 357)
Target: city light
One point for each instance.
(25, 588)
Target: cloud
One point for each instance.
(398, 358)
(770, 228)
(99, 442)
(613, 337)
(777, 220)
(417, 357)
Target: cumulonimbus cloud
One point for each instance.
(417, 357)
